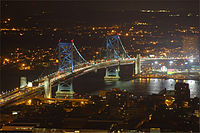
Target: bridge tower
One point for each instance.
(113, 51)
(137, 65)
(69, 58)
(23, 82)
(65, 88)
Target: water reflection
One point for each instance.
(194, 87)
(153, 86)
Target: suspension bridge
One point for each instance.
(71, 65)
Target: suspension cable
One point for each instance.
(123, 47)
(78, 52)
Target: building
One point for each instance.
(182, 92)
(117, 97)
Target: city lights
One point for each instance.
(106, 66)
(191, 61)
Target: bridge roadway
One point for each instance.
(17, 95)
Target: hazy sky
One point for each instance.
(24, 7)
(87, 11)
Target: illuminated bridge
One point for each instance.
(72, 65)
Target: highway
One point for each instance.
(24, 93)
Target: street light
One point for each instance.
(191, 60)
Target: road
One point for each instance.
(81, 69)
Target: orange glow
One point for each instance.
(169, 101)
(13, 29)
(154, 43)
(29, 102)
(6, 59)
(150, 116)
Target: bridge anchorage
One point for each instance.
(69, 58)
(137, 68)
(114, 51)
(47, 88)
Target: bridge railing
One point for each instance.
(94, 65)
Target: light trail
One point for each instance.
(57, 76)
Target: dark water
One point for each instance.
(92, 82)
(10, 79)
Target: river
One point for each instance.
(92, 82)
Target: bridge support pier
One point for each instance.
(112, 73)
(47, 88)
(23, 82)
(65, 90)
(137, 69)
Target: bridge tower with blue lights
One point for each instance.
(69, 58)
(65, 58)
(114, 52)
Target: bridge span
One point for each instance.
(69, 69)
(19, 95)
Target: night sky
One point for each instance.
(66, 14)
(87, 11)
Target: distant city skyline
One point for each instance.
(73, 11)
(100, 66)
